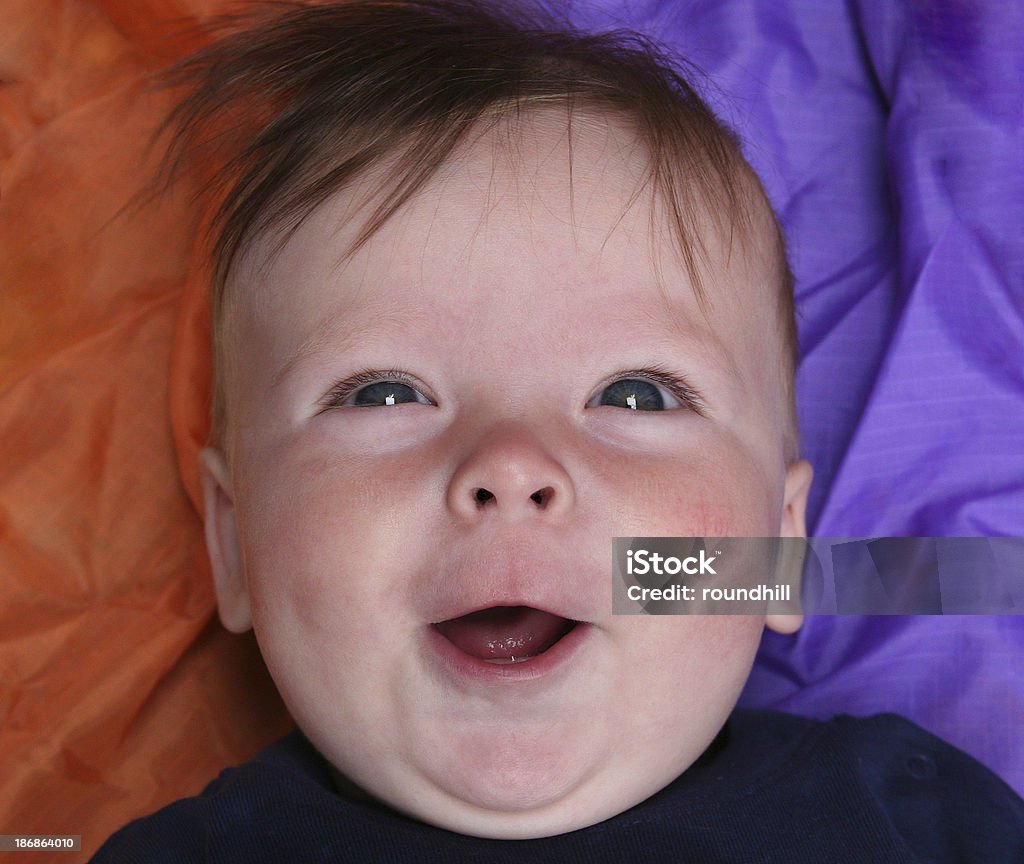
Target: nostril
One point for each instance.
(542, 497)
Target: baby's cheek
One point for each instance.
(327, 538)
(295, 558)
(698, 643)
(707, 498)
(685, 674)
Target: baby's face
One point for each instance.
(433, 428)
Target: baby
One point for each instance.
(487, 294)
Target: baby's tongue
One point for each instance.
(502, 633)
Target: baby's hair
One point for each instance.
(309, 97)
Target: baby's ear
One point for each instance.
(222, 542)
(793, 524)
(796, 490)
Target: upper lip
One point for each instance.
(469, 610)
(516, 574)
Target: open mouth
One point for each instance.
(505, 634)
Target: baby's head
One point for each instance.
(484, 299)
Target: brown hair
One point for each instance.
(306, 97)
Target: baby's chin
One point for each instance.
(551, 815)
(523, 800)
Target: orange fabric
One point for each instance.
(119, 691)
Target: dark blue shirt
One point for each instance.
(771, 788)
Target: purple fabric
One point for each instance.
(890, 137)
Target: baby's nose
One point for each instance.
(511, 473)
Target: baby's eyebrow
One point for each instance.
(339, 331)
(326, 334)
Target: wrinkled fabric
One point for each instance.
(889, 137)
(118, 691)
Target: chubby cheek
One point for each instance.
(686, 673)
(684, 648)
(713, 487)
(324, 539)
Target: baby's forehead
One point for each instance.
(542, 222)
(546, 151)
(503, 185)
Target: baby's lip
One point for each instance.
(512, 608)
(515, 572)
(500, 646)
(471, 608)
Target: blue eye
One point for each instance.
(385, 393)
(650, 389)
(637, 395)
(371, 389)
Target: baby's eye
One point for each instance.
(386, 393)
(372, 390)
(638, 395)
(649, 390)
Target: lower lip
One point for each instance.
(464, 665)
